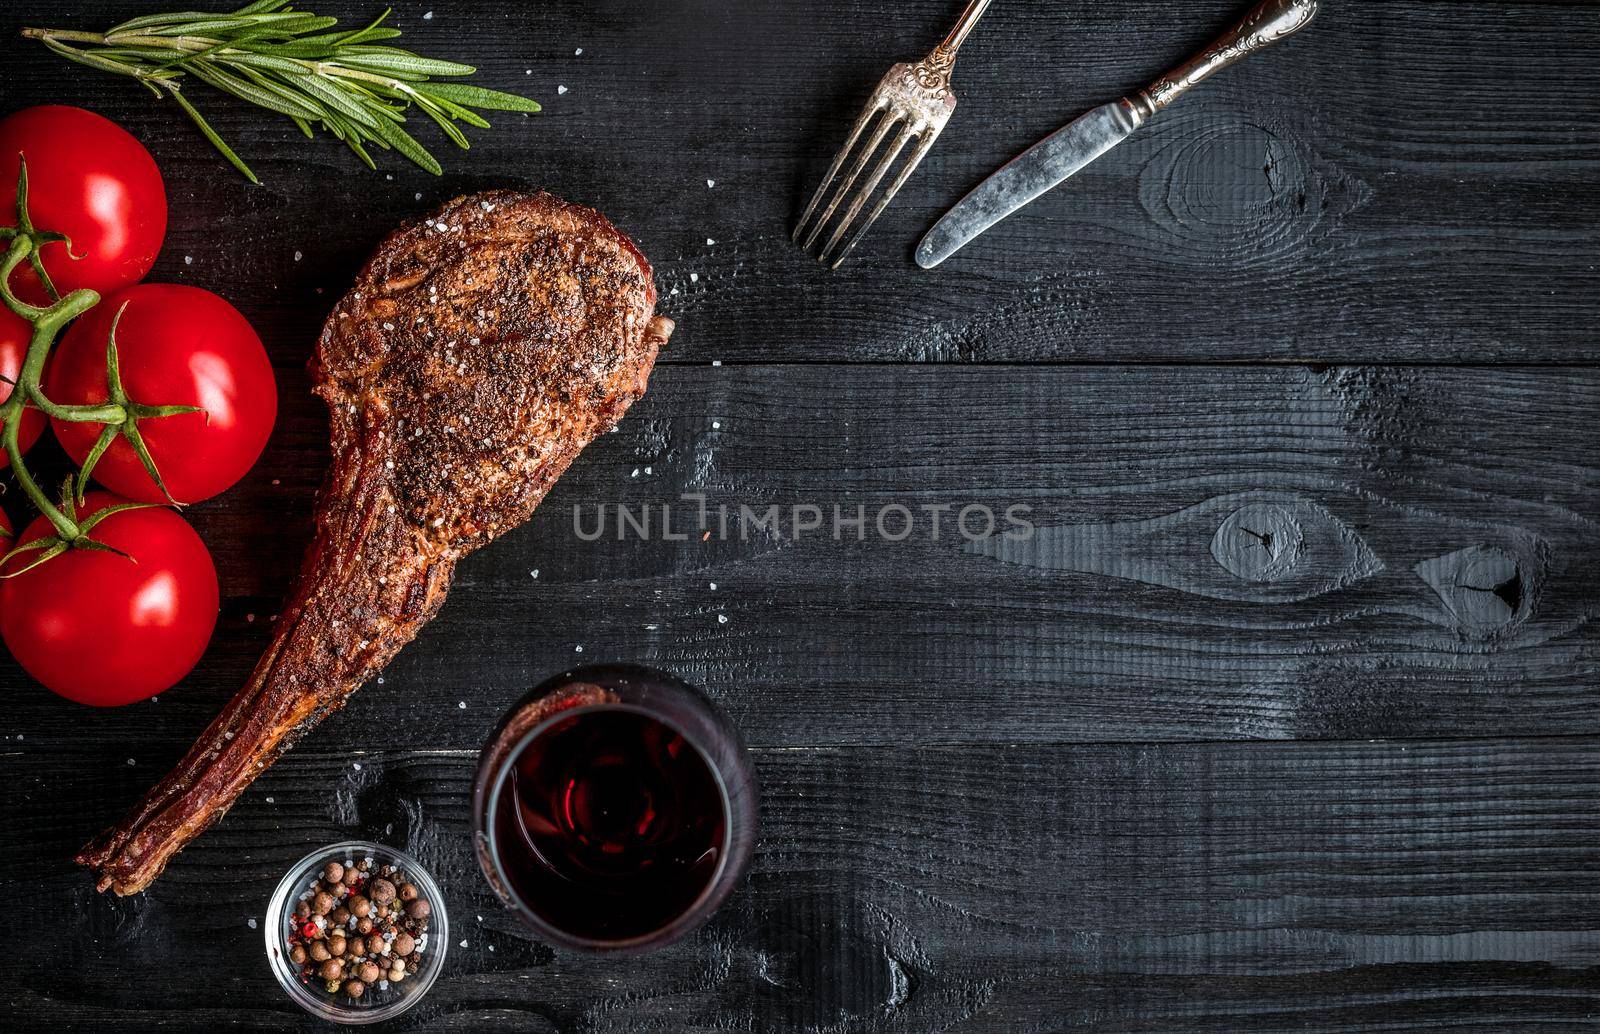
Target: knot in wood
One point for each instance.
(1258, 542)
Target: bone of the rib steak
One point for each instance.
(476, 355)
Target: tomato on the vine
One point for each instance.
(15, 333)
(176, 345)
(104, 629)
(91, 180)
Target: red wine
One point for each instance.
(611, 825)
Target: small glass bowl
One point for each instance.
(377, 1004)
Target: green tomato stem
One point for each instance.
(47, 323)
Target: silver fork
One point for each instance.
(915, 97)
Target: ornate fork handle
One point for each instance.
(1268, 23)
(933, 71)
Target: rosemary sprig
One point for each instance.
(288, 62)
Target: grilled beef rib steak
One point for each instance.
(476, 355)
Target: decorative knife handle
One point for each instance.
(1269, 22)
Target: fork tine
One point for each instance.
(838, 161)
(893, 152)
(924, 144)
(890, 118)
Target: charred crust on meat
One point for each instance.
(477, 353)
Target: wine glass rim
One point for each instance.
(680, 923)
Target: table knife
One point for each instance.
(1058, 156)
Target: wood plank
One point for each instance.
(1198, 887)
(1431, 571)
(1408, 179)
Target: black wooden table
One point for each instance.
(1144, 771)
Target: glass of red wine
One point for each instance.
(614, 809)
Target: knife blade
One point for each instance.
(1035, 171)
(1066, 151)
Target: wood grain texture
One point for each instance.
(1112, 777)
(1194, 887)
(1406, 179)
(1432, 574)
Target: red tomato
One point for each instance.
(14, 334)
(105, 630)
(176, 346)
(91, 180)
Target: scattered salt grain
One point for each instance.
(356, 766)
(272, 800)
(251, 922)
(709, 242)
(716, 362)
(188, 260)
(131, 762)
(462, 704)
(428, 17)
(298, 256)
(710, 184)
(534, 572)
(561, 89)
(713, 586)
(579, 648)
(419, 195)
(463, 944)
(694, 278)
(635, 473)
(722, 619)
(647, 470)
(491, 947)
(716, 425)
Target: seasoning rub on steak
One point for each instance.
(475, 357)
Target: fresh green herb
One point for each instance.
(287, 61)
